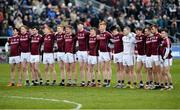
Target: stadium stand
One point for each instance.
(134, 13)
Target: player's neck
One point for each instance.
(15, 35)
(60, 32)
(36, 34)
(103, 31)
(92, 35)
(81, 30)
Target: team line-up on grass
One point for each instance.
(149, 48)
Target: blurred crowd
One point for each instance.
(134, 13)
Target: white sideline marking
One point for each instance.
(78, 106)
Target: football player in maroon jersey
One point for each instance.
(166, 62)
(155, 55)
(25, 51)
(59, 36)
(118, 55)
(69, 58)
(93, 58)
(82, 36)
(148, 59)
(48, 57)
(140, 51)
(14, 58)
(36, 42)
(105, 53)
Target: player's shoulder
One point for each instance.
(107, 33)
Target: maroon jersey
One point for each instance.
(93, 46)
(14, 45)
(103, 41)
(36, 41)
(25, 42)
(155, 44)
(60, 41)
(140, 44)
(82, 37)
(118, 43)
(48, 43)
(165, 49)
(148, 46)
(70, 43)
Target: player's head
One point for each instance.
(126, 30)
(80, 26)
(102, 26)
(60, 28)
(68, 29)
(15, 31)
(23, 29)
(34, 30)
(139, 31)
(115, 30)
(93, 31)
(164, 33)
(154, 29)
(47, 30)
(147, 31)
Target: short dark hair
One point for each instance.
(139, 29)
(165, 30)
(16, 29)
(69, 26)
(114, 28)
(155, 26)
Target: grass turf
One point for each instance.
(90, 98)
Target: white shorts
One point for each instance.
(48, 58)
(34, 58)
(60, 56)
(104, 56)
(166, 63)
(82, 56)
(148, 62)
(155, 59)
(118, 57)
(14, 59)
(128, 60)
(141, 58)
(92, 60)
(69, 58)
(25, 57)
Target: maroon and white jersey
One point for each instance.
(148, 45)
(60, 41)
(140, 44)
(155, 44)
(82, 37)
(165, 49)
(118, 43)
(93, 46)
(48, 43)
(103, 41)
(70, 43)
(36, 42)
(14, 45)
(25, 42)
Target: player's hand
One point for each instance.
(135, 52)
(98, 37)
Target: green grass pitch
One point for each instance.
(88, 98)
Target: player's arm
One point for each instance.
(7, 47)
(110, 41)
(87, 41)
(55, 46)
(167, 50)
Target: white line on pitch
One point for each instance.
(78, 105)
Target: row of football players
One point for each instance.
(94, 54)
